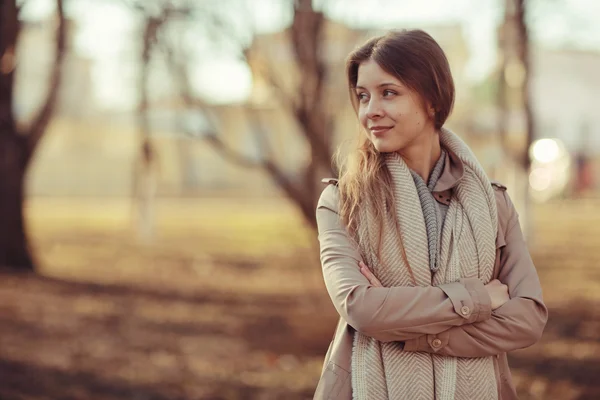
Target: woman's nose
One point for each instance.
(374, 109)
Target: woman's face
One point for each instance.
(394, 116)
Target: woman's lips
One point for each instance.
(380, 130)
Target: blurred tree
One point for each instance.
(522, 44)
(154, 14)
(145, 166)
(305, 103)
(514, 94)
(18, 142)
(514, 74)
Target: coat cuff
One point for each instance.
(428, 343)
(480, 297)
(416, 344)
(470, 300)
(464, 304)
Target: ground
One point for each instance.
(228, 303)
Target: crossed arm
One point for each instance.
(433, 319)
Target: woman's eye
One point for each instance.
(362, 97)
(388, 93)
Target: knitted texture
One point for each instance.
(431, 211)
(383, 371)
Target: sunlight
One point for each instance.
(36, 9)
(223, 81)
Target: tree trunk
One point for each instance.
(514, 48)
(524, 58)
(14, 153)
(146, 178)
(14, 248)
(18, 147)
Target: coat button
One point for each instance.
(436, 343)
(465, 310)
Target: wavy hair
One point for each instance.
(417, 60)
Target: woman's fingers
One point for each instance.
(369, 275)
(365, 270)
(498, 293)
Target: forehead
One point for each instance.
(370, 74)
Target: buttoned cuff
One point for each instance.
(428, 343)
(464, 304)
(481, 298)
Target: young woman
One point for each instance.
(422, 255)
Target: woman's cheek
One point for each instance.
(362, 118)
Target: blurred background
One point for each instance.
(160, 163)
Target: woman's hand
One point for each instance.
(498, 293)
(369, 275)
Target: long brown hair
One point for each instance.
(417, 60)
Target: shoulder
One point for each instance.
(506, 208)
(502, 198)
(501, 194)
(330, 195)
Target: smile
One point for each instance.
(379, 130)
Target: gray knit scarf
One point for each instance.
(434, 220)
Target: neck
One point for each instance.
(422, 156)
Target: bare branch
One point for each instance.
(184, 88)
(229, 154)
(291, 190)
(276, 173)
(306, 108)
(40, 122)
(256, 128)
(19, 7)
(289, 102)
(180, 76)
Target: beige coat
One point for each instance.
(453, 319)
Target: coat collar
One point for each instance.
(454, 169)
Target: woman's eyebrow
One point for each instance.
(380, 85)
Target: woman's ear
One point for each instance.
(430, 109)
(431, 112)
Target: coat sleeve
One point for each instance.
(389, 314)
(517, 324)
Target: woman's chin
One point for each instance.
(385, 147)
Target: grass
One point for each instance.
(228, 303)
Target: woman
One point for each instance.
(422, 256)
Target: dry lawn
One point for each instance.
(228, 303)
